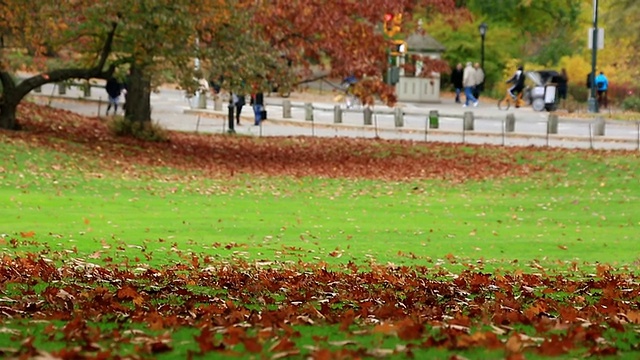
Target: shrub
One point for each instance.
(631, 103)
(147, 130)
(578, 93)
(618, 93)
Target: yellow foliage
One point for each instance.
(617, 60)
(577, 69)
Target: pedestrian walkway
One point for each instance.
(173, 110)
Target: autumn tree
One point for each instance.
(249, 43)
(339, 38)
(621, 22)
(40, 31)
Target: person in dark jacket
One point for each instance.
(518, 82)
(238, 101)
(456, 80)
(114, 89)
(563, 85)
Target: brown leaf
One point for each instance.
(252, 345)
(385, 328)
(206, 341)
(127, 293)
(633, 316)
(514, 344)
(282, 345)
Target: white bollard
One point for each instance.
(552, 124)
(337, 114)
(286, 109)
(308, 111)
(397, 117)
(467, 121)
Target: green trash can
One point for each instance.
(434, 122)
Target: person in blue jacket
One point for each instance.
(602, 85)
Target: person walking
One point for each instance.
(257, 101)
(456, 80)
(479, 76)
(563, 83)
(602, 85)
(114, 89)
(239, 102)
(469, 81)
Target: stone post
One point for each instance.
(62, 88)
(308, 111)
(552, 124)
(397, 117)
(202, 100)
(510, 123)
(86, 87)
(598, 127)
(337, 114)
(286, 109)
(467, 121)
(217, 103)
(368, 115)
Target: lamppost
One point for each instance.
(483, 32)
(593, 102)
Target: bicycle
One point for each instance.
(350, 99)
(507, 100)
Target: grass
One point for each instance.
(578, 214)
(586, 215)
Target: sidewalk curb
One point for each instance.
(372, 128)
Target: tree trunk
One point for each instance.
(8, 115)
(9, 100)
(138, 98)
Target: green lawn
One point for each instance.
(569, 220)
(586, 214)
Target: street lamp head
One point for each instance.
(483, 29)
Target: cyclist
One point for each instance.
(348, 84)
(518, 83)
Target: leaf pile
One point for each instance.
(263, 306)
(220, 155)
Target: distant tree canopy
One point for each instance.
(246, 42)
(548, 33)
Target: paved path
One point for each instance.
(171, 109)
